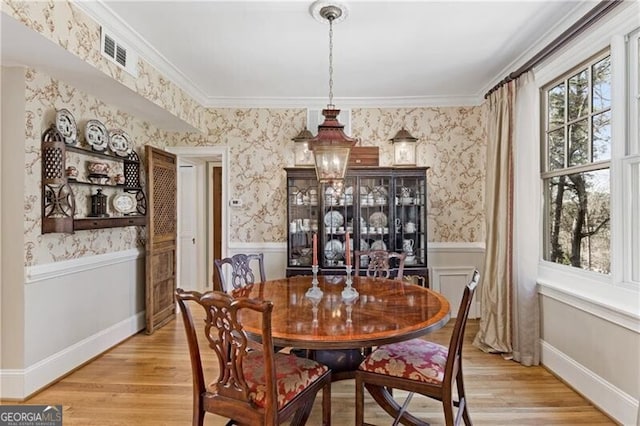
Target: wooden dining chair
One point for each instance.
(378, 263)
(241, 270)
(253, 387)
(418, 366)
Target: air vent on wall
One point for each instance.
(118, 52)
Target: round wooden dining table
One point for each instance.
(336, 330)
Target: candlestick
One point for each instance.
(347, 249)
(314, 311)
(314, 291)
(315, 249)
(349, 293)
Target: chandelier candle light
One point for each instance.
(331, 147)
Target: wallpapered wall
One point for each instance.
(43, 96)
(451, 142)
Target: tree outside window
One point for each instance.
(577, 146)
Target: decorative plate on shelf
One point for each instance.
(66, 125)
(380, 190)
(96, 135)
(333, 249)
(378, 219)
(378, 245)
(125, 203)
(333, 219)
(120, 143)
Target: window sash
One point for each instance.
(547, 129)
(633, 81)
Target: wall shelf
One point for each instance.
(59, 200)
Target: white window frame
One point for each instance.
(615, 297)
(631, 163)
(590, 166)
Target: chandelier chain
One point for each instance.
(330, 63)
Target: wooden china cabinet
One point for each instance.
(380, 207)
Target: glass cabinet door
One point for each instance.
(337, 216)
(381, 209)
(409, 223)
(303, 204)
(373, 231)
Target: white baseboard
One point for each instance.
(613, 401)
(19, 384)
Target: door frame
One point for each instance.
(217, 154)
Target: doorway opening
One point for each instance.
(202, 214)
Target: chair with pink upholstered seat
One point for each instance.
(253, 386)
(418, 366)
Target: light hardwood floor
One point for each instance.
(146, 380)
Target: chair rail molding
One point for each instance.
(47, 271)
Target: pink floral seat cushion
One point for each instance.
(293, 375)
(415, 359)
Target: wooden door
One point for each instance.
(216, 193)
(162, 238)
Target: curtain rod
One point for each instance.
(590, 18)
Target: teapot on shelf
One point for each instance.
(407, 246)
(405, 192)
(410, 227)
(98, 167)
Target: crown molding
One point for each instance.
(100, 12)
(577, 12)
(104, 16)
(319, 103)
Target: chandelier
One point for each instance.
(331, 147)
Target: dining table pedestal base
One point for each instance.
(342, 362)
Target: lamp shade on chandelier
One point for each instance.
(331, 148)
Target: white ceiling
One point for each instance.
(275, 54)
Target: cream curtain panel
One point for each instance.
(495, 293)
(509, 317)
(526, 246)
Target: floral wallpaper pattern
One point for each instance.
(451, 142)
(44, 95)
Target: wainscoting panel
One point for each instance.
(451, 281)
(75, 310)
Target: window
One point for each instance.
(576, 169)
(631, 162)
